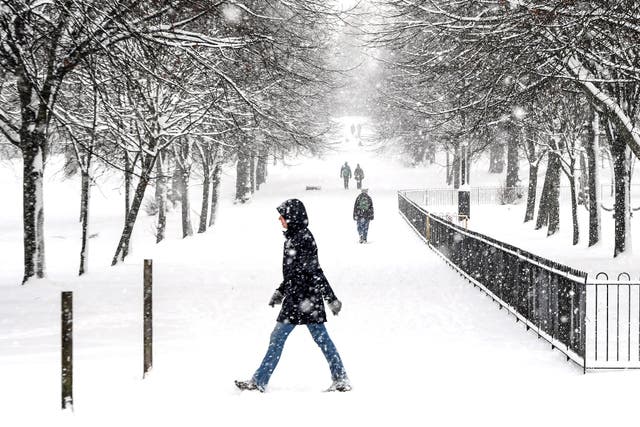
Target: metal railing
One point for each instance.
(585, 321)
(613, 323)
(477, 195)
(501, 195)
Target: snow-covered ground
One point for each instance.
(421, 345)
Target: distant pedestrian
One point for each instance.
(358, 175)
(363, 214)
(345, 174)
(302, 295)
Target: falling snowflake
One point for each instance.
(232, 14)
(306, 305)
(518, 112)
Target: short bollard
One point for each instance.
(67, 350)
(148, 317)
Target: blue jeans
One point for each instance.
(363, 228)
(276, 344)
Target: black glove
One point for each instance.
(335, 306)
(276, 298)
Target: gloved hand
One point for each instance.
(335, 306)
(276, 298)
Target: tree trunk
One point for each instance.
(32, 204)
(243, 184)
(455, 169)
(512, 159)
(128, 172)
(206, 186)
(161, 198)
(531, 191)
(592, 146)
(187, 228)
(463, 165)
(265, 172)
(543, 205)
(84, 218)
(553, 201)
(583, 181)
(261, 168)
(612, 187)
(467, 168)
(574, 209)
(215, 191)
(129, 169)
(621, 211)
(448, 170)
(147, 165)
(252, 171)
(496, 158)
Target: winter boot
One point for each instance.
(340, 385)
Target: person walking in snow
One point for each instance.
(358, 175)
(363, 214)
(302, 295)
(345, 173)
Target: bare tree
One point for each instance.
(42, 43)
(592, 147)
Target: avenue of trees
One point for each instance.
(166, 92)
(555, 81)
(160, 92)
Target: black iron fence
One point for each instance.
(613, 323)
(597, 325)
(433, 197)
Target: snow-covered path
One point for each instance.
(420, 344)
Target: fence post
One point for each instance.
(428, 234)
(148, 317)
(67, 349)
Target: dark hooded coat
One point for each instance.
(305, 287)
(363, 207)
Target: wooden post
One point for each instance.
(148, 317)
(67, 349)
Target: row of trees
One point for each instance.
(556, 80)
(156, 90)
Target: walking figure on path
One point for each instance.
(302, 295)
(363, 214)
(345, 173)
(358, 175)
